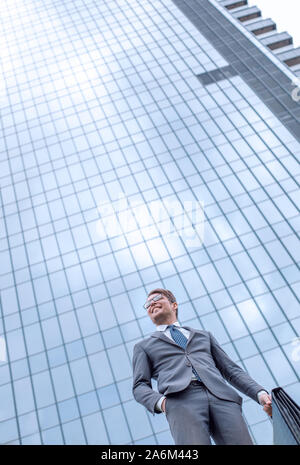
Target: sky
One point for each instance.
(285, 13)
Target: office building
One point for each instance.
(116, 106)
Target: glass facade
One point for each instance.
(103, 100)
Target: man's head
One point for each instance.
(163, 311)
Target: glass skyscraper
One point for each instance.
(143, 102)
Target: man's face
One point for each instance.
(162, 311)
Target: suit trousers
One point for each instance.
(195, 415)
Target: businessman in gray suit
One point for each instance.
(191, 368)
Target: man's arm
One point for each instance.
(233, 373)
(142, 386)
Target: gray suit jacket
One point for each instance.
(160, 358)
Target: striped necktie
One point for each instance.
(181, 340)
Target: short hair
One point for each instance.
(170, 296)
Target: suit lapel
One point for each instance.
(192, 333)
(161, 335)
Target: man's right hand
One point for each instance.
(163, 405)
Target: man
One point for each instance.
(191, 368)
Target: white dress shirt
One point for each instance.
(164, 329)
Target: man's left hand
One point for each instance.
(266, 401)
